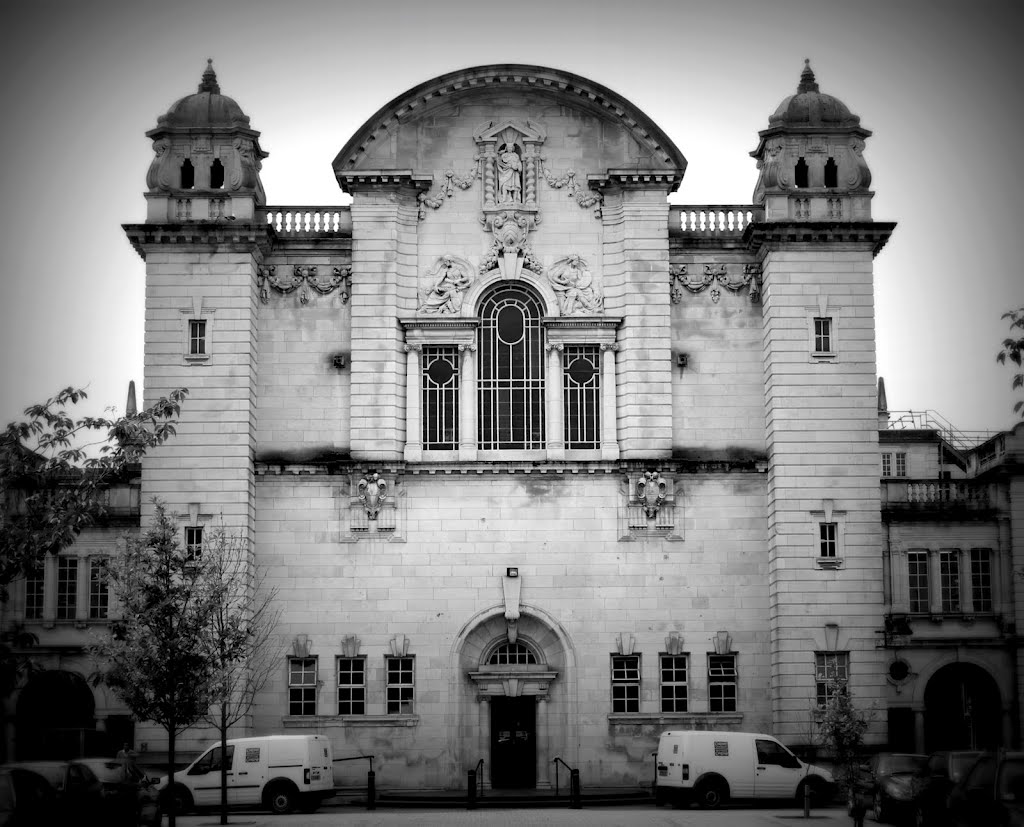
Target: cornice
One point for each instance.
(200, 235)
(581, 322)
(352, 181)
(637, 179)
(452, 323)
(787, 233)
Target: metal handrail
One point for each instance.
(556, 762)
(371, 780)
(356, 758)
(480, 775)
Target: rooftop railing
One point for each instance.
(931, 421)
(713, 219)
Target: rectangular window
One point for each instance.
(99, 598)
(981, 579)
(401, 688)
(831, 674)
(827, 534)
(351, 686)
(197, 337)
(901, 465)
(440, 388)
(822, 334)
(302, 686)
(34, 593)
(722, 683)
(67, 588)
(917, 570)
(886, 465)
(625, 683)
(194, 542)
(581, 386)
(673, 683)
(949, 580)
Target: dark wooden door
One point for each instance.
(514, 743)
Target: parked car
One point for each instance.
(991, 793)
(74, 796)
(281, 772)
(711, 767)
(129, 795)
(887, 784)
(26, 800)
(931, 787)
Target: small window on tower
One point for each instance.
(197, 337)
(217, 174)
(188, 175)
(800, 174)
(831, 173)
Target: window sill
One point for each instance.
(690, 719)
(831, 563)
(300, 721)
(194, 359)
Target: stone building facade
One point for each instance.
(538, 464)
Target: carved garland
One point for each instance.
(583, 198)
(716, 274)
(306, 277)
(451, 180)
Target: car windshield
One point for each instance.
(1011, 781)
(897, 764)
(959, 764)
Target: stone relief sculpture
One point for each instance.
(372, 493)
(716, 274)
(158, 174)
(510, 175)
(650, 491)
(246, 165)
(304, 276)
(450, 277)
(575, 287)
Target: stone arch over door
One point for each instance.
(56, 717)
(551, 681)
(962, 709)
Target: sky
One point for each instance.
(937, 82)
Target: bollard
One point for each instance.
(807, 800)
(471, 790)
(371, 791)
(575, 797)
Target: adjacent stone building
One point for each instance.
(540, 465)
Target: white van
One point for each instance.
(711, 767)
(281, 772)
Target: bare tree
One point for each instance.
(242, 648)
(157, 659)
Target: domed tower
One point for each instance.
(811, 159)
(816, 247)
(203, 242)
(207, 159)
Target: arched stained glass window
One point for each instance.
(510, 380)
(511, 653)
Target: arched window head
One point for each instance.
(831, 173)
(510, 376)
(217, 174)
(188, 175)
(800, 174)
(509, 654)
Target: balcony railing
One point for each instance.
(938, 495)
(713, 220)
(310, 222)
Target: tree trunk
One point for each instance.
(171, 815)
(223, 763)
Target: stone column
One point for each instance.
(934, 582)
(467, 404)
(966, 584)
(919, 730)
(609, 433)
(555, 403)
(414, 409)
(543, 748)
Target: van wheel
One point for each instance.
(281, 799)
(712, 794)
(177, 800)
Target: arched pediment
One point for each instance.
(409, 134)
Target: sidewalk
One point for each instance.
(603, 817)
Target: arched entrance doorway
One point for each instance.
(516, 690)
(962, 709)
(56, 718)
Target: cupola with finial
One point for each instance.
(207, 160)
(811, 159)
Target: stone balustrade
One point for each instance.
(309, 222)
(938, 495)
(713, 219)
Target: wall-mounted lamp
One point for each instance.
(682, 360)
(340, 360)
(512, 572)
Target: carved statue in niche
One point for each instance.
(574, 284)
(510, 175)
(449, 280)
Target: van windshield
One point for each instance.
(211, 762)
